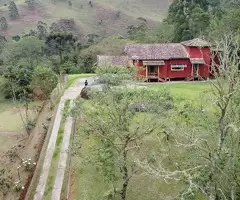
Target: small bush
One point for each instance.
(114, 75)
(75, 70)
(18, 186)
(44, 78)
(28, 164)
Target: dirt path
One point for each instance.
(71, 93)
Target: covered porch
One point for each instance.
(152, 70)
(196, 64)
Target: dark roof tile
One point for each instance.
(112, 60)
(156, 51)
(197, 42)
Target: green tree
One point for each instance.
(114, 75)
(4, 24)
(164, 34)
(54, 27)
(92, 38)
(60, 43)
(3, 43)
(119, 129)
(231, 20)
(27, 50)
(69, 4)
(199, 21)
(16, 85)
(45, 79)
(207, 153)
(13, 11)
(86, 61)
(180, 15)
(137, 32)
(32, 4)
(18, 78)
(42, 30)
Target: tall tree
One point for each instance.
(60, 43)
(137, 32)
(13, 11)
(42, 30)
(199, 21)
(4, 24)
(118, 127)
(185, 14)
(3, 43)
(45, 79)
(32, 4)
(210, 143)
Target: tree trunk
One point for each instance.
(61, 57)
(125, 177)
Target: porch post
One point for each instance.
(146, 72)
(192, 71)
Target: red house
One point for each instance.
(188, 60)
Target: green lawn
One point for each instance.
(10, 117)
(191, 90)
(141, 187)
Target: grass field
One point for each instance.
(141, 187)
(10, 117)
(191, 90)
(105, 18)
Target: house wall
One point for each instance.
(165, 71)
(141, 70)
(205, 53)
(197, 52)
(178, 74)
(204, 71)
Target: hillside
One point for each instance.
(105, 17)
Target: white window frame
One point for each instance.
(178, 67)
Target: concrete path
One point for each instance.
(49, 153)
(71, 93)
(62, 163)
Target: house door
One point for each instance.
(195, 70)
(153, 71)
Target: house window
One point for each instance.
(178, 67)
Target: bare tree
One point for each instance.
(112, 118)
(207, 141)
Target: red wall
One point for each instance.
(142, 71)
(196, 52)
(165, 71)
(205, 53)
(178, 74)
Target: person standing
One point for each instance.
(86, 83)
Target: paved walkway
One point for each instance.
(49, 153)
(62, 163)
(71, 93)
